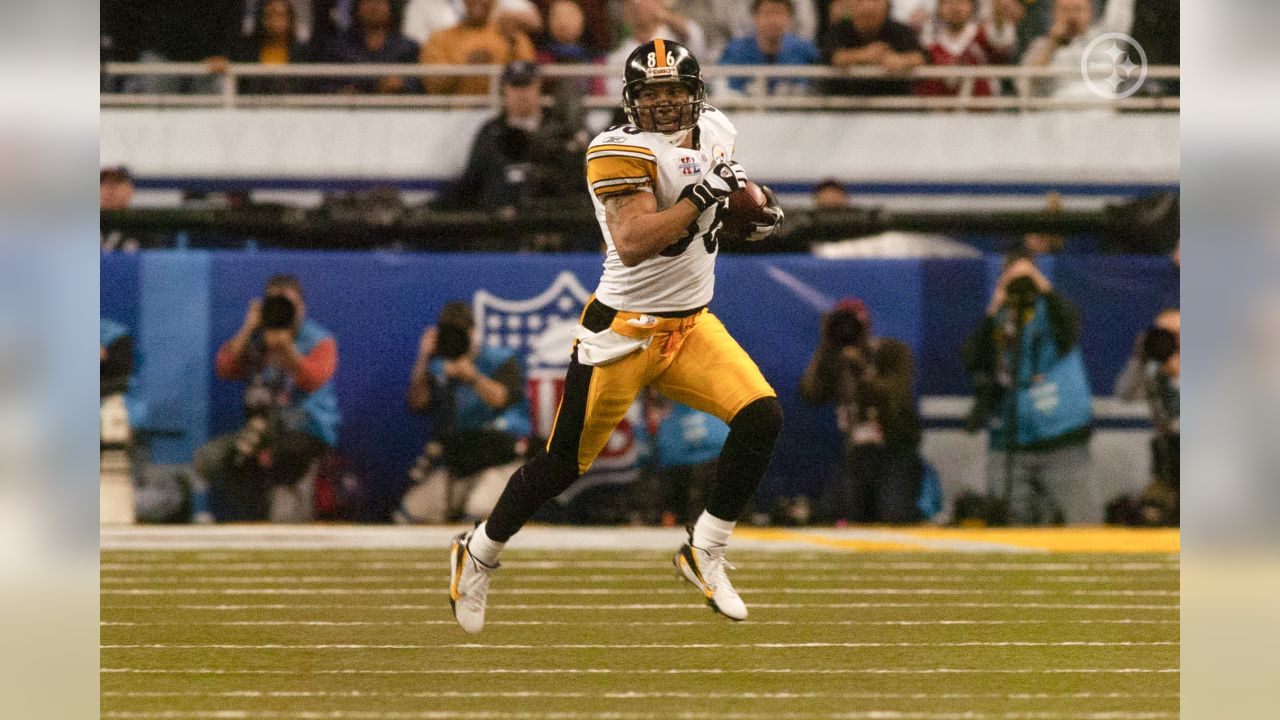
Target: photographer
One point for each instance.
(870, 379)
(291, 412)
(474, 395)
(1154, 372)
(1032, 394)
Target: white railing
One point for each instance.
(229, 96)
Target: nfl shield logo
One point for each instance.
(689, 166)
(539, 330)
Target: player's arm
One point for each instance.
(641, 231)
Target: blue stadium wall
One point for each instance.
(183, 304)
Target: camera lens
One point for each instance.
(277, 312)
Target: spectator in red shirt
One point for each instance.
(287, 361)
(957, 37)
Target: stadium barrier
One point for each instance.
(224, 87)
(181, 305)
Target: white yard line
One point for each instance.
(435, 606)
(549, 715)
(611, 623)
(647, 671)
(967, 592)
(629, 646)
(221, 579)
(635, 695)
(233, 561)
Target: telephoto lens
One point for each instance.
(278, 312)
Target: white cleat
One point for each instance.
(468, 585)
(705, 570)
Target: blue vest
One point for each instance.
(314, 413)
(1052, 391)
(470, 412)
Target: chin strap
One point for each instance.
(677, 137)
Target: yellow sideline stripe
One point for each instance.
(1064, 539)
(1052, 539)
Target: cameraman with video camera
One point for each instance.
(870, 379)
(474, 395)
(1154, 371)
(1032, 395)
(291, 411)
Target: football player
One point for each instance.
(659, 185)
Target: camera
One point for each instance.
(1159, 345)
(845, 328)
(1021, 292)
(453, 341)
(278, 312)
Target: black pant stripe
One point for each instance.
(573, 411)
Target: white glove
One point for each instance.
(761, 231)
(722, 181)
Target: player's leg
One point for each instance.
(712, 373)
(595, 400)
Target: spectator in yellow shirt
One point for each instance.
(476, 40)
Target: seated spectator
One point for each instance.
(684, 449)
(599, 20)
(1032, 395)
(861, 34)
(563, 45)
(830, 193)
(650, 19)
(474, 395)
(374, 37)
(1154, 372)
(870, 380)
(720, 20)
(287, 362)
(1040, 243)
(1063, 47)
(956, 37)
(273, 40)
(771, 44)
(115, 192)
(423, 17)
(304, 18)
(475, 40)
(526, 154)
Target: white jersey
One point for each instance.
(624, 159)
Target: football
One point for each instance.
(745, 206)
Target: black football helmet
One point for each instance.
(660, 61)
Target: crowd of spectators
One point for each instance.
(895, 36)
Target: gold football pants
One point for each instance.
(691, 359)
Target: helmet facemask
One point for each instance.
(663, 117)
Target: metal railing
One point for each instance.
(229, 94)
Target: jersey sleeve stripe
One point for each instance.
(622, 189)
(629, 148)
(615, 153)
(621, 181)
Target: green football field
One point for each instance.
(277, 630)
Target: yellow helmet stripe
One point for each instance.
(660, 50)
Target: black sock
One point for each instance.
(536, 482)
(745, 457)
